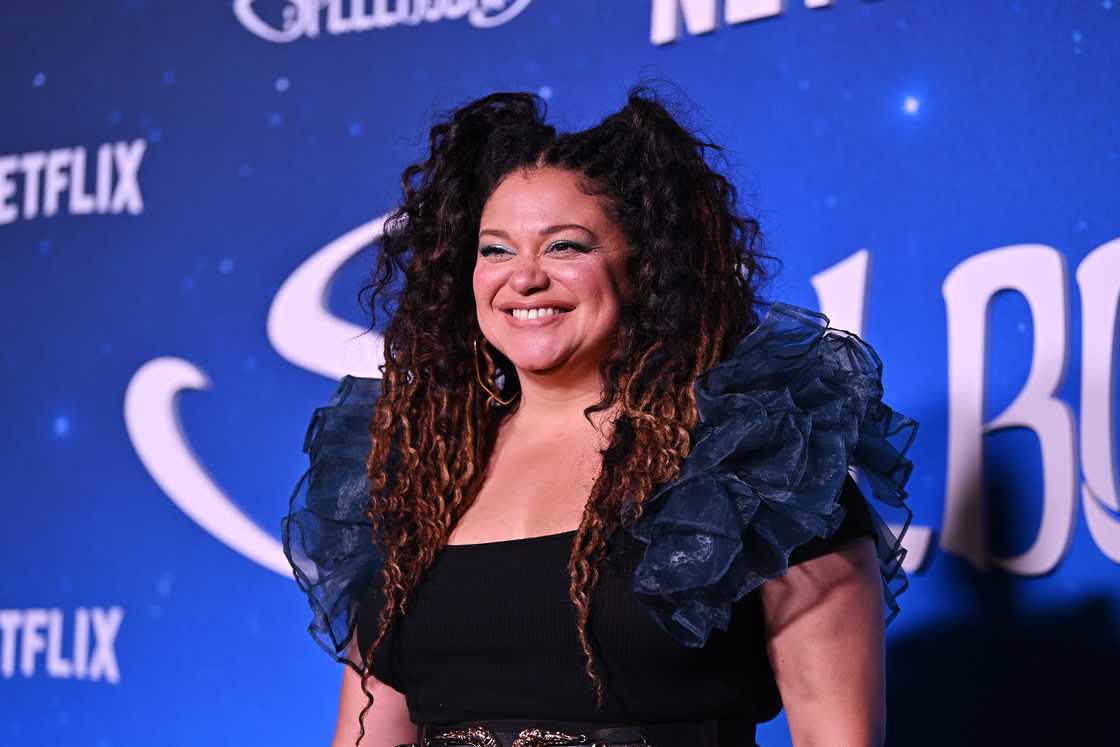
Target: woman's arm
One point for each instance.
(824, 622)
(387, 722)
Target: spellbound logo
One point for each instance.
(307, 18)
(304, 331)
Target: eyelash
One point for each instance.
(581, 248)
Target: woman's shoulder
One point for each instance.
(326, 534)
(782, 420)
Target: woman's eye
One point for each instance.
(562, 245)
(559, 246)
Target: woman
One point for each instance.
(596, 496)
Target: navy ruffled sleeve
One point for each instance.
(781, 421)
(326, 534)
(857, 523)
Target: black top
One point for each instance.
(490, 633)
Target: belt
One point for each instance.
(536, 733)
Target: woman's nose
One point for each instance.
(528, 275)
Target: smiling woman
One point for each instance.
(596, 496)
(549, 294)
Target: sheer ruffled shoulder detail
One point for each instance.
(326, 534)
(781, 420)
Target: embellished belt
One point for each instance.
(532, 733)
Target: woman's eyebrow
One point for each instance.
(544, 231)
(563, 226)
(495, 232)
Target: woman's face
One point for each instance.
(544, 244)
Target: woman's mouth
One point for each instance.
(535, 317)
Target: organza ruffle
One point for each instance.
(781, 421)
(326, 535)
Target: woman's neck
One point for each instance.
(545, 408)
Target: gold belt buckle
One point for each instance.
(480, 736)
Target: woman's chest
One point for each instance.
(530, 489)
(496, 618)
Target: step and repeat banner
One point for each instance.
(190, 197)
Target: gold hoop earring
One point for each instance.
(478, 373)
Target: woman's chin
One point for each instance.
(539, 366)
(538, 362)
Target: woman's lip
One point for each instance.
(540, 321)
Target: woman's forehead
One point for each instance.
(544, 197)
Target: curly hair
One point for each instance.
(694, 261)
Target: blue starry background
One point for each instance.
(926, 131)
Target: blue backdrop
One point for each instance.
(187, 195)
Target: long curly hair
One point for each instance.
(694, 261)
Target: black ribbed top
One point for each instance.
(490, 634)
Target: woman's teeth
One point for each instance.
(535, 313)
